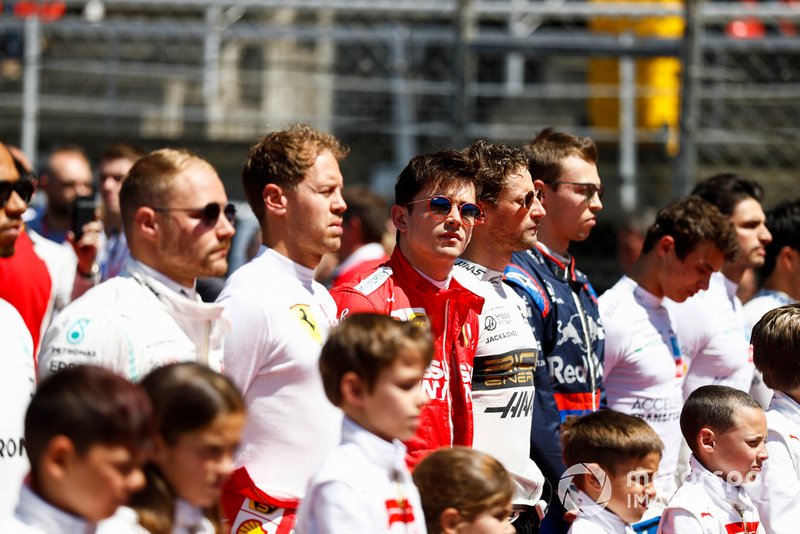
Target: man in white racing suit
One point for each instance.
(280, 318)
(502, 380)
(644, 367)
(710, 325)
(179, 226)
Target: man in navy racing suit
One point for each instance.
(562, 305)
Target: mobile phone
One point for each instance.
(84, 210)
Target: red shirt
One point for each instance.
(25, 283)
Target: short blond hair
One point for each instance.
(150, 180)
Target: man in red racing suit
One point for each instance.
(434, 214)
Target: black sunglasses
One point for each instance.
(208, 215)
(440, 207)
(527, 201)
(24, 187)
(589, 189)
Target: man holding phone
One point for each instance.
(179, 226)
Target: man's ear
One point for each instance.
(665, 244)
(400, 218)
(57, 457)
(354, 390)
(146, 222)
(449, 520)
(706, 440)
(788, 257)
(274, 199)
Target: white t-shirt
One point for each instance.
(711, 330)
(364, 487)
(18, 382)
(280, 318)
(643, 372)
(777, 489)
(762, 302)
(502, 379)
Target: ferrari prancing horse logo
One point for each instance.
(307, 321)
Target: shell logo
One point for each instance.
(251, 526)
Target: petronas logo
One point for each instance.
(76, 332)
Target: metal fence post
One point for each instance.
(403, 109)
(686, 162)
(462, 73)
(627, 129)
(30, 87)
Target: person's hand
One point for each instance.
(86, 247)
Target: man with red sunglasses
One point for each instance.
(434, 213)
(561, 302)
(178, 225)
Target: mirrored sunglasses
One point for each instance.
(440, 208)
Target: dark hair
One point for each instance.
(149, 182)
(712, 407)
(371, 210)
(776, 347)
(495, 164)
(90, 406)
(783, 222)
(726, 190)
(122, 151)
(367, 343)
(283, 157)
(465, 479)
(186, 397)
(549, 148)
(607, 438)
(434, 171)
(690, 221)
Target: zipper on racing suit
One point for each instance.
(587, 341)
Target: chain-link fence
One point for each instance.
(394, 78)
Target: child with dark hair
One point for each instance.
(371, 368)
(199, 417)
(619, 452)
(776, 354)
(465, 490)
(86, 430)
(726, 431)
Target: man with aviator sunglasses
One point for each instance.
(179, 225)
(434, 213)
(561, 302)
(502, 380)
